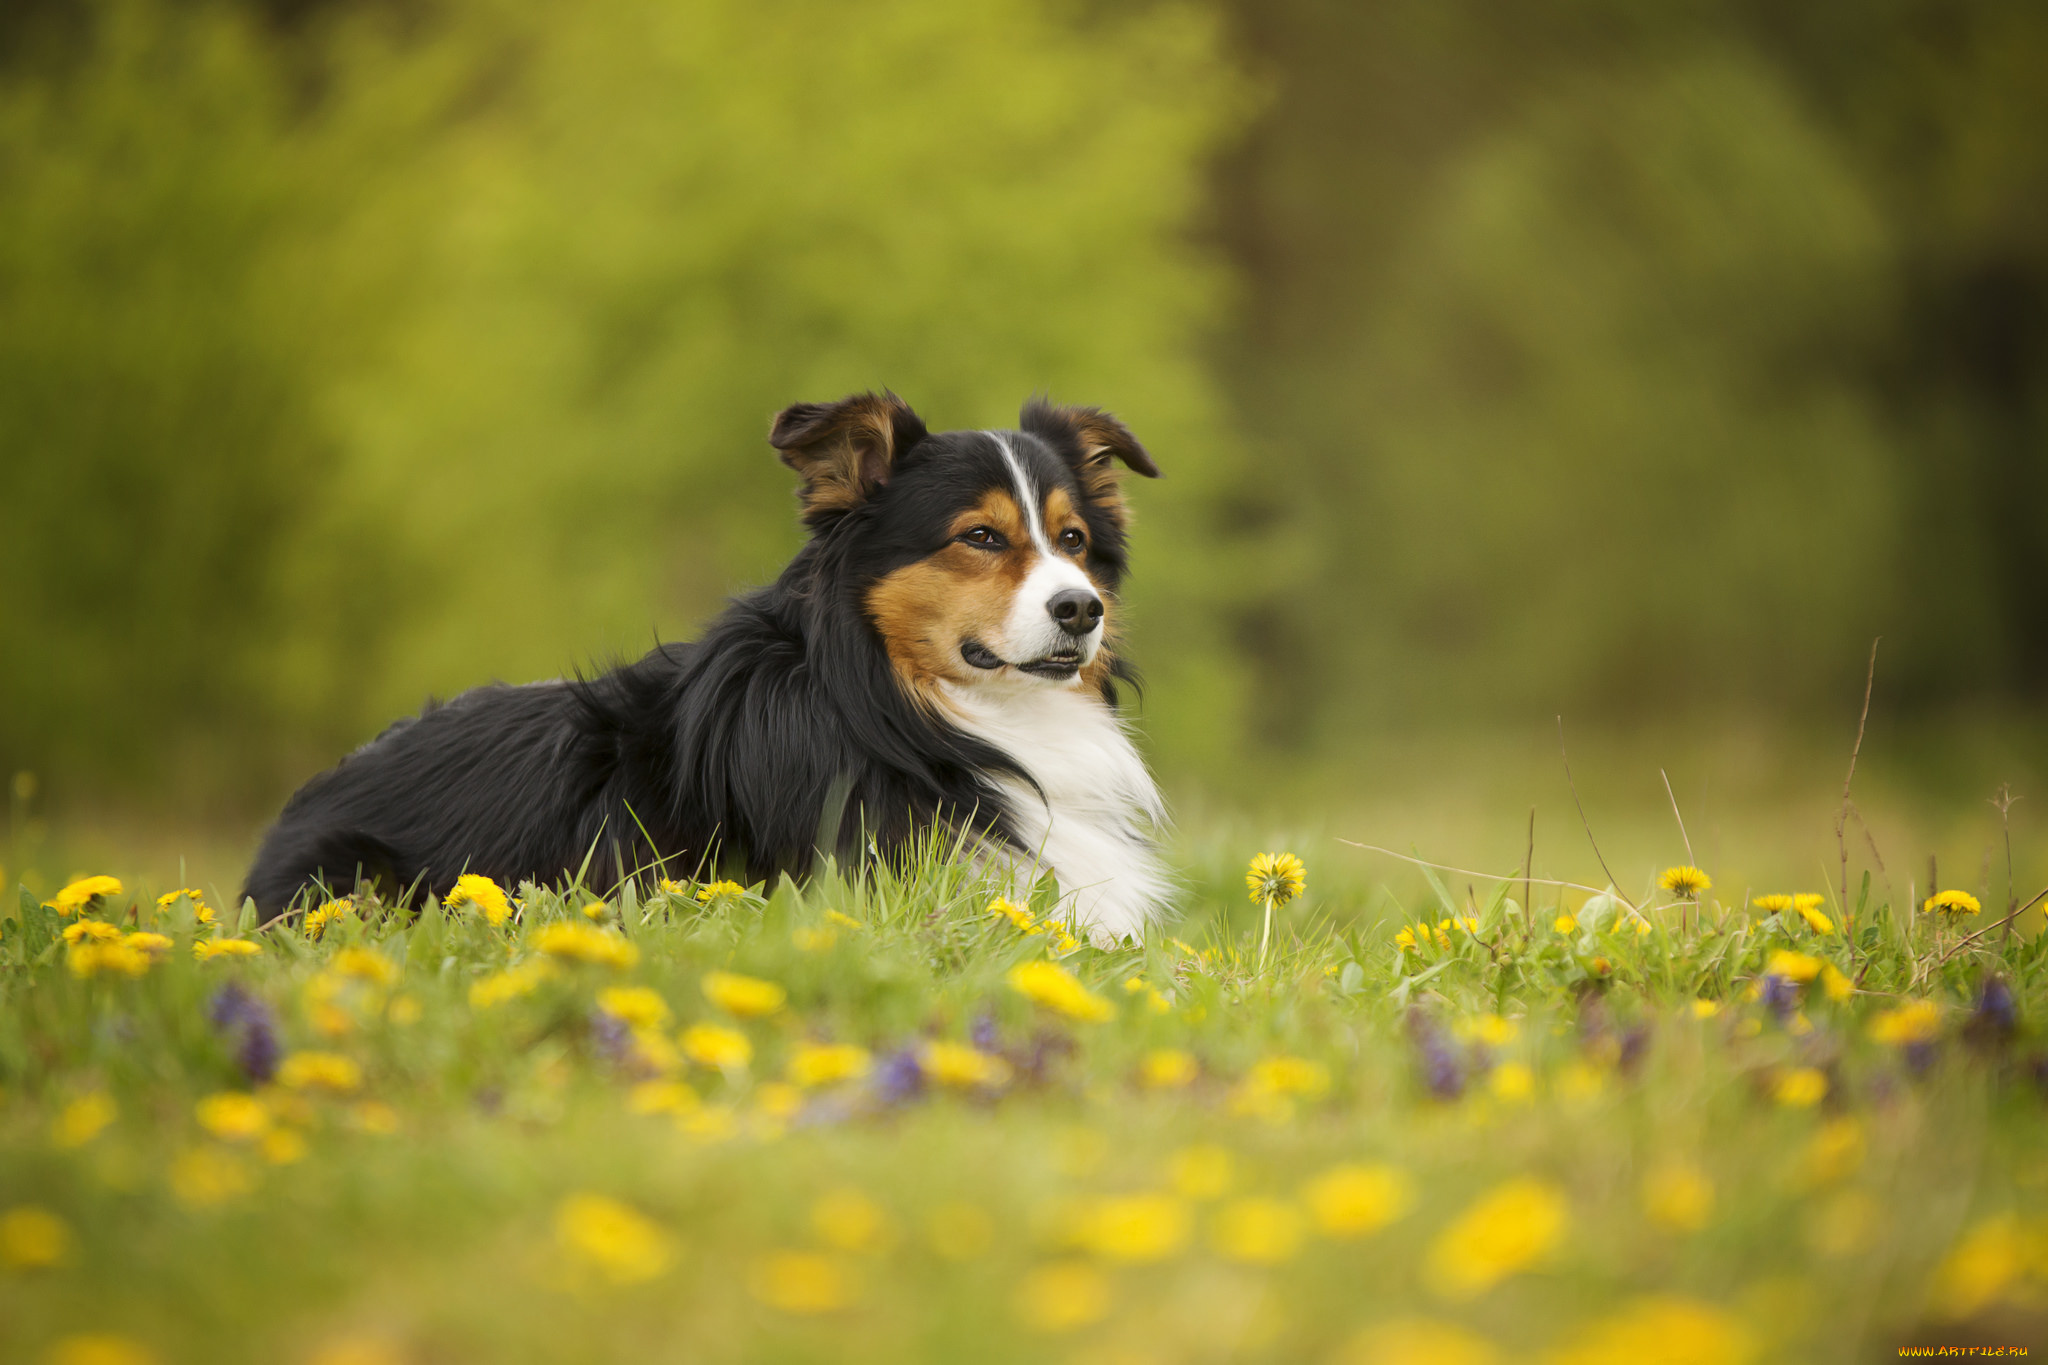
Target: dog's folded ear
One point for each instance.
(845, 450)
(1089, 439)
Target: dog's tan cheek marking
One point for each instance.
(924, 610)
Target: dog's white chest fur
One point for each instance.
(1093, 826)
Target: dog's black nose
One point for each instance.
(1077, 610)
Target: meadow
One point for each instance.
(888, 1115)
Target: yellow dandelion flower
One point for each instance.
(143, 941)
(1512, 1082)
(1057, 989)
(116, 957)
(1666, 1329)
(510, 984)
(1350, 1201)
(374, 1117)
(207, 949)
(661, 1097)
(1258, 1231)
(92, 930)
(1991, 1259)
(778, 1101)
(708, 1124)
(619, 1242)
(203, 1177)
(82, 893)
(596, 910)
(816, 1064)
(1838, 986)
(480, 894)
(652, 1051)
(316, 921)
(802, 1283)
(1063, 1296)
(233, 1116)
(1954, 904)
(1685, 882)
(83, 1119)
(1276, 878)
(1916, 1021)
(566, 941)
(282, 1146)
(1404, 939)
(1418, 1341)
(1679, 1196)
(712, 893)
(1135, 1227)
(748, 997)
(33, 1238)
(98, 1348)
(1290, 1076)
(1834, 1152)
(961, 1066)
(716, 1046)
(1801, 1087)
(1489, 1029)
(366, 964)
(1168, 1068)
(329, 1071)
(1018, 916)
(1507, 1230)
(848, 1220)
(1793, 966)
(814, 940)
(1777, 903)
(1248, 1101)
(1705, 1009)
(638, 1006)
(1815, 920)
(1565, 924)
(201, 911)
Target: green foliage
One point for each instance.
(428, 1136)
(460, 367)
(1621, 362)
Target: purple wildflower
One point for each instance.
(235, 1009)
(1996, 1018)
(899, 1078)
(1781, 996)
(1441, 1071)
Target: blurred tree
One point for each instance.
(1607, 357)
(159, 438)
(435, 343)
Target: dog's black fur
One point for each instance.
(728, 747)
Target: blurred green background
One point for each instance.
(1635, 364)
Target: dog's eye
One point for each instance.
(1072, 539)
(986, 536)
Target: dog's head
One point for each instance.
(986, 558)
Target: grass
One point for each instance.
(1648, 1135)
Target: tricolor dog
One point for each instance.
(941, 654)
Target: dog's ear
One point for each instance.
(1091, 441)
(844, 451)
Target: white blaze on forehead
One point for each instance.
(1030, 632)
(1034, 515)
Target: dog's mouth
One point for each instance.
(1058, 666)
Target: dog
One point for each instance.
(941, 655)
